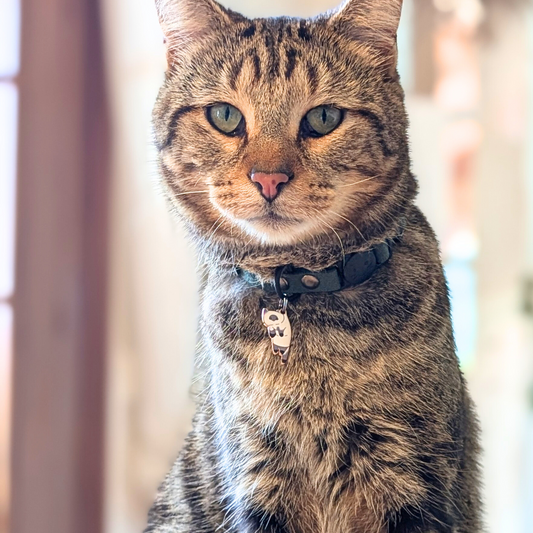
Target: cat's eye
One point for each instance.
(226, 118)
(321, 121)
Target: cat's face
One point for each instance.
(280, 130)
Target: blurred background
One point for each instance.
(98, 302)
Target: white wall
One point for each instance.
(153, 283)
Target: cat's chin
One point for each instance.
(276, 230)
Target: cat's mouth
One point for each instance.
(275, 217)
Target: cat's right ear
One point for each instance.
(185, 22)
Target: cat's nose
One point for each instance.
(269, 183)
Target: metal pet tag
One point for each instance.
(279, 330)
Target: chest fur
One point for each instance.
(310, 437)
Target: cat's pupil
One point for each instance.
(324, 115)
(227, 113)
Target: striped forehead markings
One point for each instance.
(257, 65)
(274, 49)
(236, 69)
(292, 55)
(249, 32)
(303, 31)
(312, 76)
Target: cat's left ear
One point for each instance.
(371, 22)
(185, 22)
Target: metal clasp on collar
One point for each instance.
(289, 281)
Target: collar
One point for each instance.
(356, 268)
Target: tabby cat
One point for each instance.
(283, 146)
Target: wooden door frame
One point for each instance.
(60, 302)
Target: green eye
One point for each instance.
(225, 118)
(321, 121)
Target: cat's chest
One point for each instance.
(334, 360)
(298, 417)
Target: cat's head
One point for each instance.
(282, 130)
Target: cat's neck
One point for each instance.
(314, 254)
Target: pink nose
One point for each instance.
(269, 183)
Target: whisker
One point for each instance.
(338, 237)
(191, 192)
(198, 180)
(351, 223)
(215, 222)
(218, 226)
(361, 181)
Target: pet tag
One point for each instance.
(279, 330)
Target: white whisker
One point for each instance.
(338, 237)
(216, 229)
(351, 223)
(361, 181)
(192, 192)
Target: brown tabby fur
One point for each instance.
(369, 429)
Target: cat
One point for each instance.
(283, 148)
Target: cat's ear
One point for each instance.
(185, 22)
(371, 22)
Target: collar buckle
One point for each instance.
(294, 281)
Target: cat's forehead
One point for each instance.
(276, 50)
(273, 65)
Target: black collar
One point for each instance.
(354, 270)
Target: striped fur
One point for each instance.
(369, 429)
